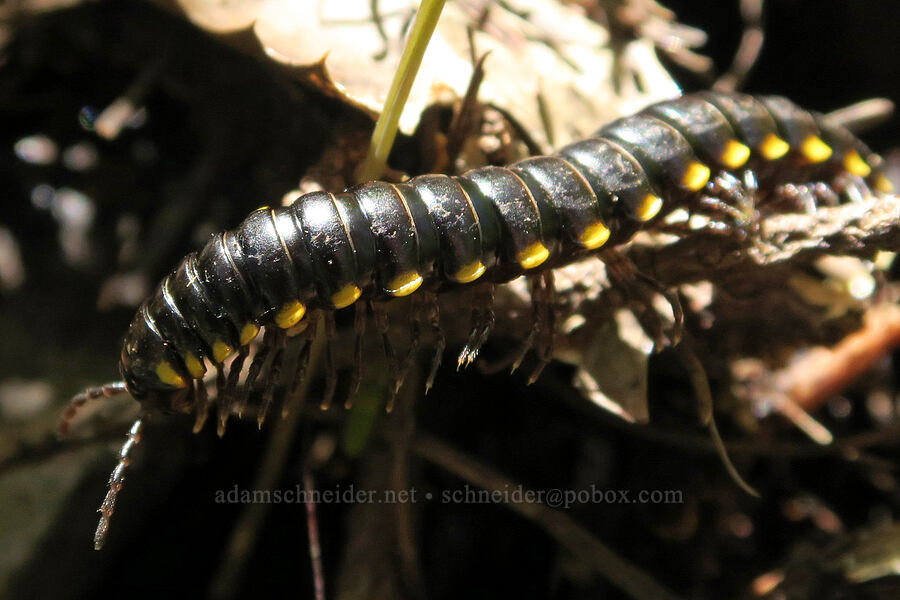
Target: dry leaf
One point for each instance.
(549, 65)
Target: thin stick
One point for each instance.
(590, 552)
(861, 116)
(465, 121)
(403, 427)
(748, 50)
(386, 126)
(312, 532)
(703, 394)
(112, 120)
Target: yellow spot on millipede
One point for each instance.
(194, 365)
(594, 235)
(168, 375)
(469, 272)
(404, 284)
(221, 351)
(735, 154)
(248, 333)
(855, 164)
(773, 147)
(696, 176)
(533, 256)
(649, 207)
(884, 185)
(289, 314)
(815, 150)
(346, 296)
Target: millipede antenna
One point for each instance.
(116, 481)
(107, 390)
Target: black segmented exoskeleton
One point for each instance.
(382, 240)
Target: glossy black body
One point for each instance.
(441, 228)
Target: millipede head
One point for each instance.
(164, 401)
(153, 375)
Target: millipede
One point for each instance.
(283, 267)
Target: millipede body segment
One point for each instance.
(382, 240)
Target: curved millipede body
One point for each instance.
(382, 240)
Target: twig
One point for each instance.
(748, 51)
(403, 425)
(850, 447)
(855, 229)
(700, 383)
(861, 116)
(825, 372)
(466, 120)
(312, 532)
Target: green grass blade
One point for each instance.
(386, 126)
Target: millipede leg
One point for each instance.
(717, 207)
(487, 324)
(732, 204)
(330, 368)
(546, 325)
(257, 364)
(415, 340)
(473, 333)
(622, 273)
(202, 403)
(359, 328)
(234, 376)
(382, 325)
(808, 197)
(853, 188)
(303, 358)
(222, 400)
(674, 302)
(271, 378)
(729, 196)
(107, 390)
(684, 229)
(535, 283)
(116, 481)
(482, 323)
(440, 342)
(824, 193)
(625, 274)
